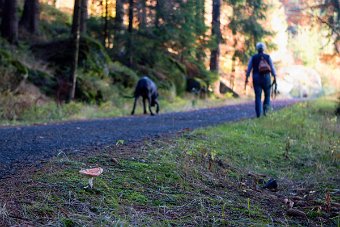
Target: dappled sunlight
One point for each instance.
(299, 82)
(301, 42)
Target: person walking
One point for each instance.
(262, 66)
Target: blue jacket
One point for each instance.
(254, 65)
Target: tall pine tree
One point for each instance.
(75, 40)
(9, 22)
(30, 16)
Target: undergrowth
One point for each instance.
(14, 111)
(204, 177)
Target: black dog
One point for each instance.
(148, 90)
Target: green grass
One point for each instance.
(50, 112)
(293, 142)
(201, 177)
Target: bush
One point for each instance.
(92, 89)
(93, 74)
(12, 71)
(123, 75)
(13, 106)
(92, 56)
(46, 82)
(51, 111)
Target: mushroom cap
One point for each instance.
(94, 172)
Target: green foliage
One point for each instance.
(160, 49)
(12, 71)
(123, 75)
(94, 67)
(310, 36)
(53, 22)
(246, 19)
(92, 56)
(326, 16)
(173, 74)
(45, 81)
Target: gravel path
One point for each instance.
(28, 144)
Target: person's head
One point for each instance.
(260, 47)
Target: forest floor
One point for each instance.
(208, 176)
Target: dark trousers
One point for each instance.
(262, 83)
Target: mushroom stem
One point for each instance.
(91, 182)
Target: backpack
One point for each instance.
(264, 67)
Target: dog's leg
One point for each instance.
(134, 106)
(149, 102)
(144, 107)
(157, 106)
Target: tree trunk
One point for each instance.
(75, 39)
(216, 34)
(233, 73)
(30, 16)
(118, 27)
(131, 6)
(9, 23)
(83, 16)
(130, 29)
(158, 12)
(106, 25)
(142, 14)
(119, 15)
(81, 13)
(1, 7)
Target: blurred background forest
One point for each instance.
(90, 53)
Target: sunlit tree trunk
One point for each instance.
(9, 22)
(30, 16)
(106, 24)
(216, 34)
(75, 38)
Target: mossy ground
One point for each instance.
(206, 177)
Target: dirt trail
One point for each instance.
(29, 144)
